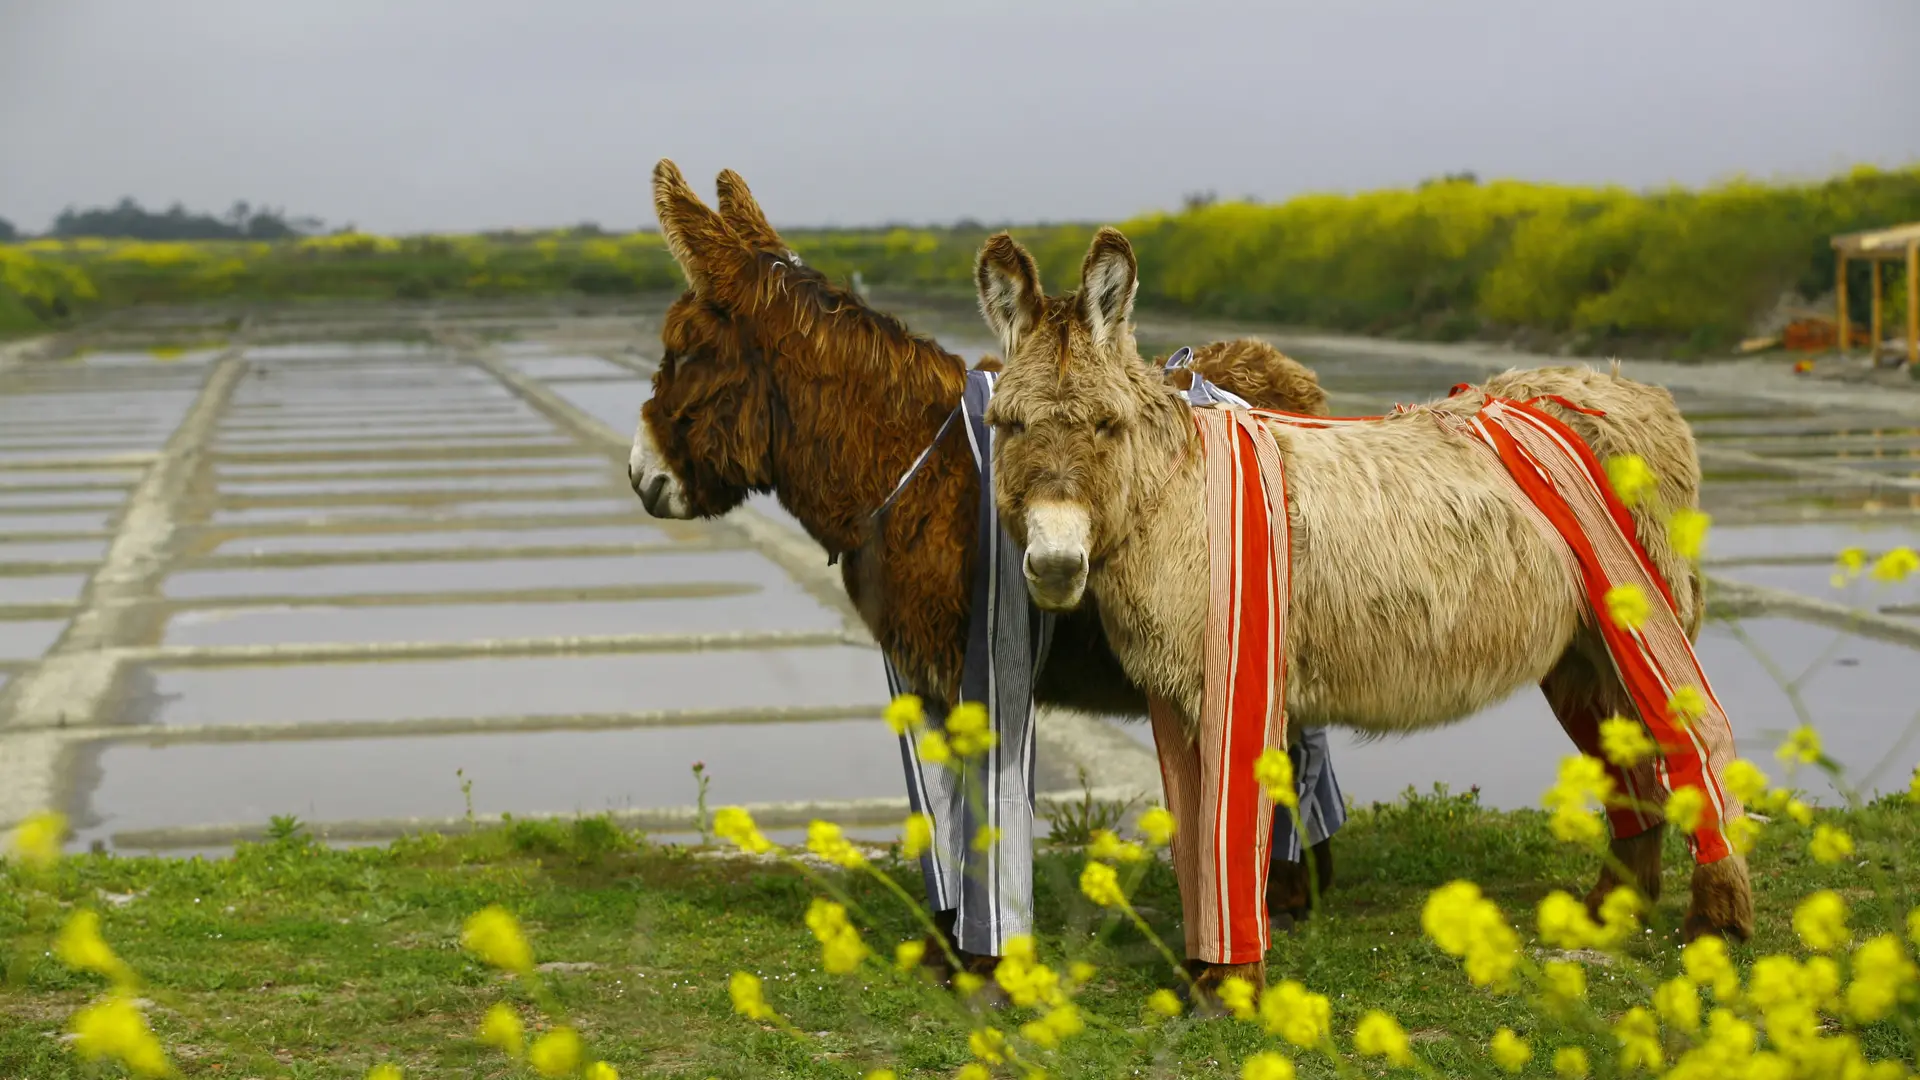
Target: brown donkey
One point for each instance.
(774, 379)
(1423, 587)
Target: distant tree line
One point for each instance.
(128, 220)
(8, 233)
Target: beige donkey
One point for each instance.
(1423, 584)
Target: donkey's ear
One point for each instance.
(1009, 283)
(1108, 280)
(701, 243)
(743, 215)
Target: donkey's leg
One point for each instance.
(935, 791)
(1294, 881)
(1221, 903)
(1581, 696)
(1181, 776)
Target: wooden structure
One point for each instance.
(1880, 246)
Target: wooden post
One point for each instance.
(1873, 335)
(1840, 294)
(1913, 303)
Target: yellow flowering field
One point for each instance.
(1598, 268)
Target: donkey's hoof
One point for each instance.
(1288, 920)
(1201, 995)
(1722, 901)
(987, 994)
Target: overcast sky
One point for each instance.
(405, 115)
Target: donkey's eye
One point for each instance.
(1104, 428)
(1010, 427)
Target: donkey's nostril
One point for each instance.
(1056, 568)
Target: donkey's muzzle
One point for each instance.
(1056, 580)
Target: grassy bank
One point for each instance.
(294, 960)
(1600, 269)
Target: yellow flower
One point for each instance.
(1895, 565)
(1687, 531)
(1678, 1002)
(36, 841)
(1913, 786)
(1467, 925)
(1802, 747)
(1267, 1065)
(1274, 771)
(1163, 1003)
(825, 840)
(1573, 824)
(113, 1029)
(916, 836)
(1913, 927)
(1687, 705)
(988, 1044)
(1881, 971)
(905, 713)
(878, 1074)
(841, 949)
(81, 947)
(1381, 1036)
(1800, 812)
(1101, 885)
(494, 936)
(1743, 833)
(1619, 915)
(600, 1070)
(1027, 981)
(1706, 963)
(1566, 983)
(1639, 1036)
(985, 838)
(1685, 807)
(1581, 778)
(1236, 994)
(735, 824)
(934, 749)
(973, 1070)
(1081, 972)
(1746, 781)
(555, 1054)
(748, 1000)
(968, 731)
(1564, 923)
(1625, 741)
(967, 984)
(1570, 1062)
(1830, 845)
(1296, 1014)
(1156, 824)
(1510, 1051)
(1630, 477)
(1627, 606)
(1110, 848)
(1821, 921)
(501, 1028)
(1850, 562)
(908, 954)
(1064, 1021)
(385, 1072)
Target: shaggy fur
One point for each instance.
(772, 378)
(1422, 591)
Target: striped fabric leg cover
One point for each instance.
(988, 884)
(1222, 838)
(1565, 481)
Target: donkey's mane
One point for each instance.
(834, 318)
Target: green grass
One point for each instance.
(293, 960)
